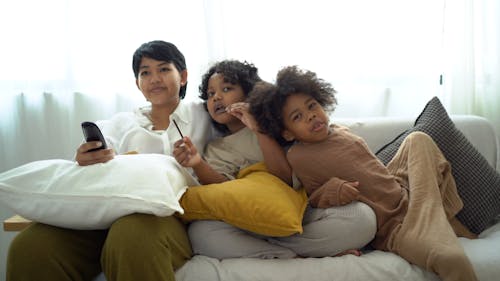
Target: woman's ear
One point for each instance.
(287, 135)
(184, 77)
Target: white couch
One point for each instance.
(376, 265)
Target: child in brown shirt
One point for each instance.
(414, 198)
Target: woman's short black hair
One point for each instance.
(267, 100)
(235, 72)
(161, 51)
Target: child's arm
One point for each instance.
(274, 155)
(335, 192)
(275, 158)
(186, 154)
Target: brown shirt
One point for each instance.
(324, 167)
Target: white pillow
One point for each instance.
(62, 193)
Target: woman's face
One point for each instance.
(160, 81)
(305, 119)
(220, 95)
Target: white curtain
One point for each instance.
(66, 61)
(87, 46)
(384, 53)
(472, 58)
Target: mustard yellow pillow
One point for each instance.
(256, 201)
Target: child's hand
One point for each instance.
(240, 111)
(185, 153)
(348, 192)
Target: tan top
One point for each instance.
(229, 154)
(324, 167)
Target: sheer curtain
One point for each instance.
(65, 61)
(379, 52)
(472, 52)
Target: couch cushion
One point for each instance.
(376, 131)
(256, 201)
(478, 183)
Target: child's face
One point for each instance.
(160, 81)
(305, 119)
(220, 95)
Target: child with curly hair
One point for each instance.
(326, 232)
(414, 198)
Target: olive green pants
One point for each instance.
(136, 247)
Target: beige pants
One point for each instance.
(426, 237)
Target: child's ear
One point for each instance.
(287, 135)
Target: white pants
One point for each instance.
(327, 232)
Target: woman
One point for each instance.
(138, 246)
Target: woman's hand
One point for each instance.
(185, 153)
(84, 157)
(240, 111)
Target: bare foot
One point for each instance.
(354, 252)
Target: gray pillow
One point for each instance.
(478, 183)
